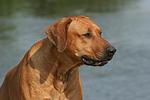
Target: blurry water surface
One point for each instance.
(125, 24)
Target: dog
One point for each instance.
(49, 70)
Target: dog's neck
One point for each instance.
(55, 70)
(61, 62)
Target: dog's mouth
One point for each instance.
(91, 62)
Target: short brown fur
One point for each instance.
(49, 70)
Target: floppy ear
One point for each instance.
(57, 33)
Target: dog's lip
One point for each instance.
(91, 62)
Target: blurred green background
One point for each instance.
(61, 7)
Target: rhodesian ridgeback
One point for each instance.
(49, 70)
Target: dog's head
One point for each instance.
(81, 37)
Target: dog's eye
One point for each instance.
(88, 35)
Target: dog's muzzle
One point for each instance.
(110, 51)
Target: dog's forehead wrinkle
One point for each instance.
(89, 30)
(90, 25)
(85, 24)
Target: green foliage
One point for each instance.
(59, 7)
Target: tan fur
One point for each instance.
(49, 70)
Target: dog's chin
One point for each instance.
(91, 62)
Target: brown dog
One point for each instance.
(49, 70)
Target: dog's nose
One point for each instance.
(110, 50)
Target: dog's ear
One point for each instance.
(57, 33)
